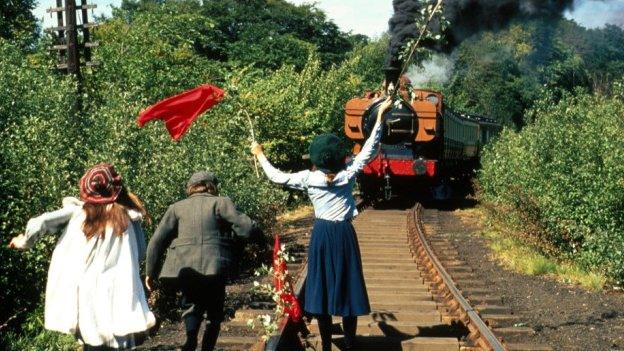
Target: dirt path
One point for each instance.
(565, 317)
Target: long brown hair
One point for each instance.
(115, 215)
(329, 177)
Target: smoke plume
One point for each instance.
(466, 17)
(435, 71)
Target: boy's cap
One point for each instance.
(202, 177)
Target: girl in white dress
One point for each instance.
(94, 290)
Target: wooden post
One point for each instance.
(73, 55)
(61, 34)
(85, 31)
(70, 49)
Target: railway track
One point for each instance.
(423, 296)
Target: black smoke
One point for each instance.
(467, 18)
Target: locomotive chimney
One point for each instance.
(392, 78)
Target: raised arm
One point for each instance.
(295, 181)
(370, 146)
(49, 222)
(368, 150)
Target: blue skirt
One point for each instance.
(335, 282)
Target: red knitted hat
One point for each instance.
(100, 185)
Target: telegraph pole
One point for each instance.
(71, 31)
(72, 51)
(72, 41)
(85, 33)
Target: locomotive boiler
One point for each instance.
(423, 142)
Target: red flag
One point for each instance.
(181, 110)
(292, 306)
(279, 268)
(287, 297)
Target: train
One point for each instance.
(424, 143)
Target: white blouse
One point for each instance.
(333, 201)
(94, 286)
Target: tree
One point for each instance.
(243, 29)
(17, 21)
(489, 78)
(236, 18)
(566, 71)
(500, 74)
(599, 49)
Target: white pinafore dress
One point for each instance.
(94, 290)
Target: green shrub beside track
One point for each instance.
(560, 181)
(292, 70)
(46, 143)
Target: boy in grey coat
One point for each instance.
(200, 233)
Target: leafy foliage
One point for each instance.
(600, 50)
(414, 49)
(560, 180)
(38, 159)
(51, 131)
(511, 67)
(17, 22)
(494, 66)
(265, 33)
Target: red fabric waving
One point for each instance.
(287, 297)
(181, 110)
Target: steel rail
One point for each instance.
(483, 333)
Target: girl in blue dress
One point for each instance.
(335, 282)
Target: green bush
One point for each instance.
(51, 131)
(39, 164)
(17, 22)
(561, 180)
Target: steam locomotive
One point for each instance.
(423, 142)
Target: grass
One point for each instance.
(33, 337)
(295, 214)
(516, 255)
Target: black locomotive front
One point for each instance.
(400, 123)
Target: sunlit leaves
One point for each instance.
(413, 49)
(561, 180)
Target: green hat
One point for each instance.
(327, 153)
